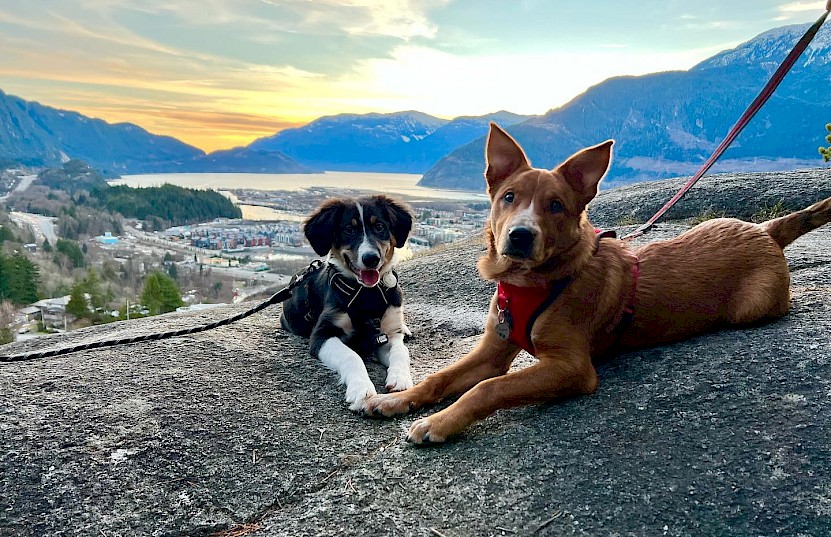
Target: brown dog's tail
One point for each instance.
(788, 228)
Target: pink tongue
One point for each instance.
(370, 277)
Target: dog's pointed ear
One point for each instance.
(503, 157)
(400, 217)
(320, 227)
(584, 169)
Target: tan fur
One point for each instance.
(719, 273)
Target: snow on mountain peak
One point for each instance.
(770, 48)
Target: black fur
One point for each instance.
(314, 309)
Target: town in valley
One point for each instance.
(220, 261)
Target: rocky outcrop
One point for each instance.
(750, 196)
(238, 431)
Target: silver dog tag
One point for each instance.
(503, 325)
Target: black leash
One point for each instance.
(745, 118)
(280, 296)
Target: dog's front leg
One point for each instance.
(396, 357)
(394, 354)
(352, 371)
(553, 377)
(491, 357)
(327, 345)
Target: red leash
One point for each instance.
(754, 107)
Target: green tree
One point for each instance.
(6, 234)
(160, 293)
(172, 271)
(72, 252)
(99, 297)
(46, 246)
(826, 151)
(88, 297)
(19, 279)
(77, 304)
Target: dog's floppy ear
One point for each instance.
(319, 228)
(584, 169)
(503, 157)
(400, 217)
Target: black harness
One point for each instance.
(365, 305)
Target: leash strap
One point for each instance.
(280, 296)
(748, 114)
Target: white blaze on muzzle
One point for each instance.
(367, 275)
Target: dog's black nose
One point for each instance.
(520, 242)
(370, 260)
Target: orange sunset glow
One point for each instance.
(223, 73)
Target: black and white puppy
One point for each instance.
(352, 308)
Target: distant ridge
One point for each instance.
(38, 135)
(405, 142)
(666, 124)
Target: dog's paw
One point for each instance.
(357, 394)
(386, 405)
(424, 431)
(406, 330)
(398, 380)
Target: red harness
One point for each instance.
(521, 306)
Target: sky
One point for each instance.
(220, 73)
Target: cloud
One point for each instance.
(798, 7)
(217, 72)
(448, 85)
(397, 18)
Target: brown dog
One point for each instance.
(540, 244)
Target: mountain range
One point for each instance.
(404, 142)
(665, 125)
(38, 135)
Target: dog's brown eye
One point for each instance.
(349, 230)
(508, 197)
(379, 227)
(556, 207)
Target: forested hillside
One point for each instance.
(172, 204)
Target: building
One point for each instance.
(107, 238)
(53, 311)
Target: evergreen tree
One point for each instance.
(77, 304)
(19, 279)
(93, 286)
(6, 234)
(46, 246)
(72, 252)
(160, 294)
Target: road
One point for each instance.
(42, 226)
(25, 182)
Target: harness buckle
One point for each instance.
(378, 337)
